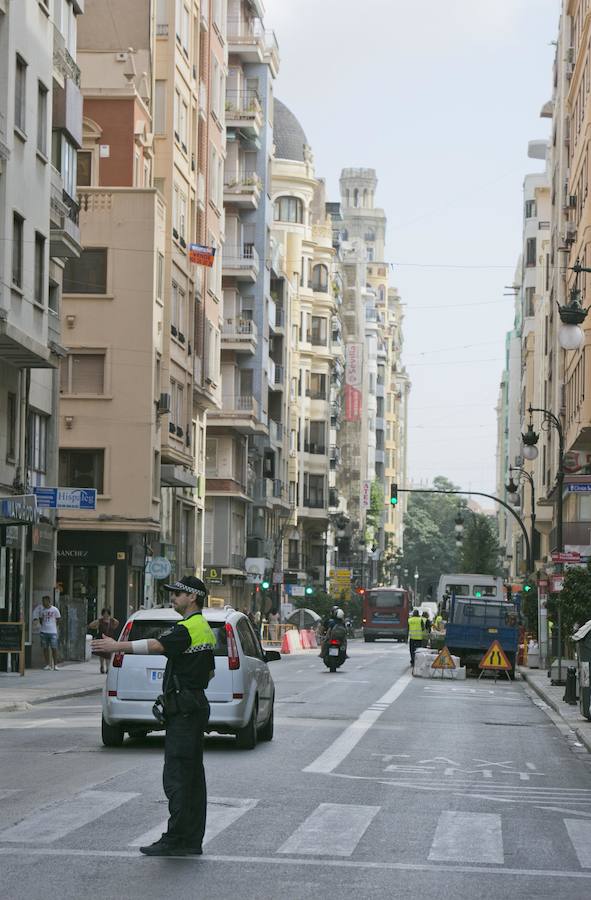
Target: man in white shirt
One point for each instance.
(48, 617)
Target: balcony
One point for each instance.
(243, 190)
(276, 431)
(63, 62)
(278, 323)
(335, 457)
(64, 238)
(314, 501)
(263, 490)
(244, 111)
(240, 335)
(276, 384)
(240, 262)
(4, 148)
(203, 100)
(314, 448)
(201, 190)
(240, 412)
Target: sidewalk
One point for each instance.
(538, 680)
(38, 686)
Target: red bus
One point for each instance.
(385, 613)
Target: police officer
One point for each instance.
(189, 647)
(416, 632)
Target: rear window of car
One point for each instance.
(144, 629)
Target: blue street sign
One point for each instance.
(578, 488)
(46, 497)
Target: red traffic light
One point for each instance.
(360, 591)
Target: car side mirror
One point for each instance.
(272, 655)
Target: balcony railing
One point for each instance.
(62, 59)
(243, 105)
(242, 257)
(244, 404)
(245, 183)
(276, 430)
(316, 395)
(279, 374)
(239, 328)
(237, 561)
(278, 487)
(315, 501)
(314, 447)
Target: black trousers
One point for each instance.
(184, 777)
(412, 645)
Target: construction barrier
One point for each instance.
(273, 634)
(291, 642)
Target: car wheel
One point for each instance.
(266, 732)
(112, 735)
(246, 738)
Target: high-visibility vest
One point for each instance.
(415, 628)
(202, 637)
(437, 622)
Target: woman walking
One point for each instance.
(106, 626)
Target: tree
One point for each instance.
(574, 599)
(480, 551)
(429, 536)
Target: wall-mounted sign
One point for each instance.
(201, 255)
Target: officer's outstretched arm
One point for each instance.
(108, 645)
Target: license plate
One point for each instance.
(333, 651)
(493, 630)
(155, 674)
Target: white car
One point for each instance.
(241, 694)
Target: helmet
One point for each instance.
(340, 614)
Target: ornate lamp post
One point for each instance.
(513, 491)
(572, 314)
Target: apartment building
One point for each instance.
(40, 130)
(245, 439)
(303, 236)
(142, 319)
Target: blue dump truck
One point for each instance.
(474, 623)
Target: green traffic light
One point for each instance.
(393, 494)
(264, 585)
(478, 593)
(309, 590)
(527, 588)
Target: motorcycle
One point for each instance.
(334, 652)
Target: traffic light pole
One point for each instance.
(530, 561)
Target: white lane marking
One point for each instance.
(580, 835)
(342, 746)
(468, 837)
(333, 829)
(53, 822)
(221, 813)
(306, 862)
(73, 722)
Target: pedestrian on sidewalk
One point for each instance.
(273, 625)
(48, 617)
(190, 666)
(106, 626)
(416, 632)
(427, 627)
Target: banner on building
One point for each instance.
(201, 255)
(353, 381)
(365, 494)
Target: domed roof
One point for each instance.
(288, 134)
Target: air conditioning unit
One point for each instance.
(164, 403)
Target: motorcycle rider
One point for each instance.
(336, 629)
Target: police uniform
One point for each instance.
(415, 635)
(189, 647)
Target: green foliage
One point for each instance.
(321, 603)
(429, 537)
(575, 600)
(529, 611)
(480, 551)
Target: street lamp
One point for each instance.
(572, 315)
(513, 492)
(551, 420)
(416, 576)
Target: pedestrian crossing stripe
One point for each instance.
(443, 660)
(495, 658)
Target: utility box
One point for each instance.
(582, 639)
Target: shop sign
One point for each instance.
(18, 510)
(159, 567)
(201, 255)
(556, 584)
(213, 574)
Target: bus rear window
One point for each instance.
(144, 629)
(385, 599)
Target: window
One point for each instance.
(83, 373)
(320, 279)
(530, 252)
(82, 469)
(54, 297)
(159, 276)
(211, 457)
(84, 168)
(529, 301)
(314, 491)
(11, 423)
(160, 107)
(288, 209)
(317, 386)
(318, 331)
(530, 209)
(186, 517)
(177, 410)
(20, 94)
(18, 225)
(42, 118)
(37, 442)
(185, 18)
(317, 437)
(247, 638)
(87, 274)
(177, 312)
(156, 475)
(39, 269)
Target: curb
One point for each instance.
(23, 705)
(581, 733)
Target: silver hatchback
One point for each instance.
(241, 694)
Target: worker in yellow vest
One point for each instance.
(416, 633)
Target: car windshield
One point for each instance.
(385, 599)
(144, 629)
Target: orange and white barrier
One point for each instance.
(291, 642)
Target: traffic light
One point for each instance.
(478, 594)
(309, 590)
(526, 588)
(265, 585)
(393, 494)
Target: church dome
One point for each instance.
(289, 136)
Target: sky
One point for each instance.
(441, 98)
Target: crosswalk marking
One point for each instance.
(580, 835)
(54, 822)
(468, 837)
(333, 829)
(221, 813)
